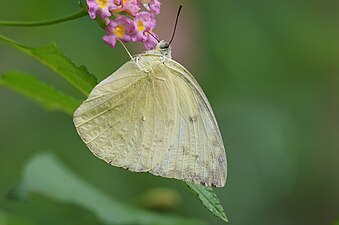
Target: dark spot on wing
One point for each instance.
(158, 140)
(215, 141)
(221, 161)
(184, 150)
(193, 119)
(120, 137)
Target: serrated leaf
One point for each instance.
(54, 58)
(209, 199)
(40, 92)
(47, 176)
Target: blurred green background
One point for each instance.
(271, 72)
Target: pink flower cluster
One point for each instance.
(130, 23)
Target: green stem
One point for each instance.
(46, 22)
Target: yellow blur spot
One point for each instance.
(119, 31)
(140, 26)
(102, 3)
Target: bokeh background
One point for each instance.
(271, 72)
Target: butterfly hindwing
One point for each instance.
(197, 153)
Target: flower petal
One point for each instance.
(150, 42)
(155, 6)
(100, 7)
(121, 28)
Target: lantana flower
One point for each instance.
(144, 22)
(151, 5)
(134, 25)
(121, 28)
(155, 6)
(151, 40)
(131, 7)
(100, 7)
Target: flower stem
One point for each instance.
(45, 22)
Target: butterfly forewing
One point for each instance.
(126, 120)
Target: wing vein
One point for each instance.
(145, 108)
(108, 93)
(212, 150)
(163, 119)
(120, 78)
(132, 150)
(101, 113)
(90, 141)
(100, 103)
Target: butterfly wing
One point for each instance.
(197, 153)
(154, 117)
(125, 120)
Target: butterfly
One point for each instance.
(151, 115)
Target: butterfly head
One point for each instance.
(164, 48)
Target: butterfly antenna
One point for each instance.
(175, 25)
(155, 37)
(129, 54)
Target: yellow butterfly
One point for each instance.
(151, 115)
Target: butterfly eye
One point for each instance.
(164, 45)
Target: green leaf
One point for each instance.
(39, 91)
(47, 176)
(54, 58)
(209, 199)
